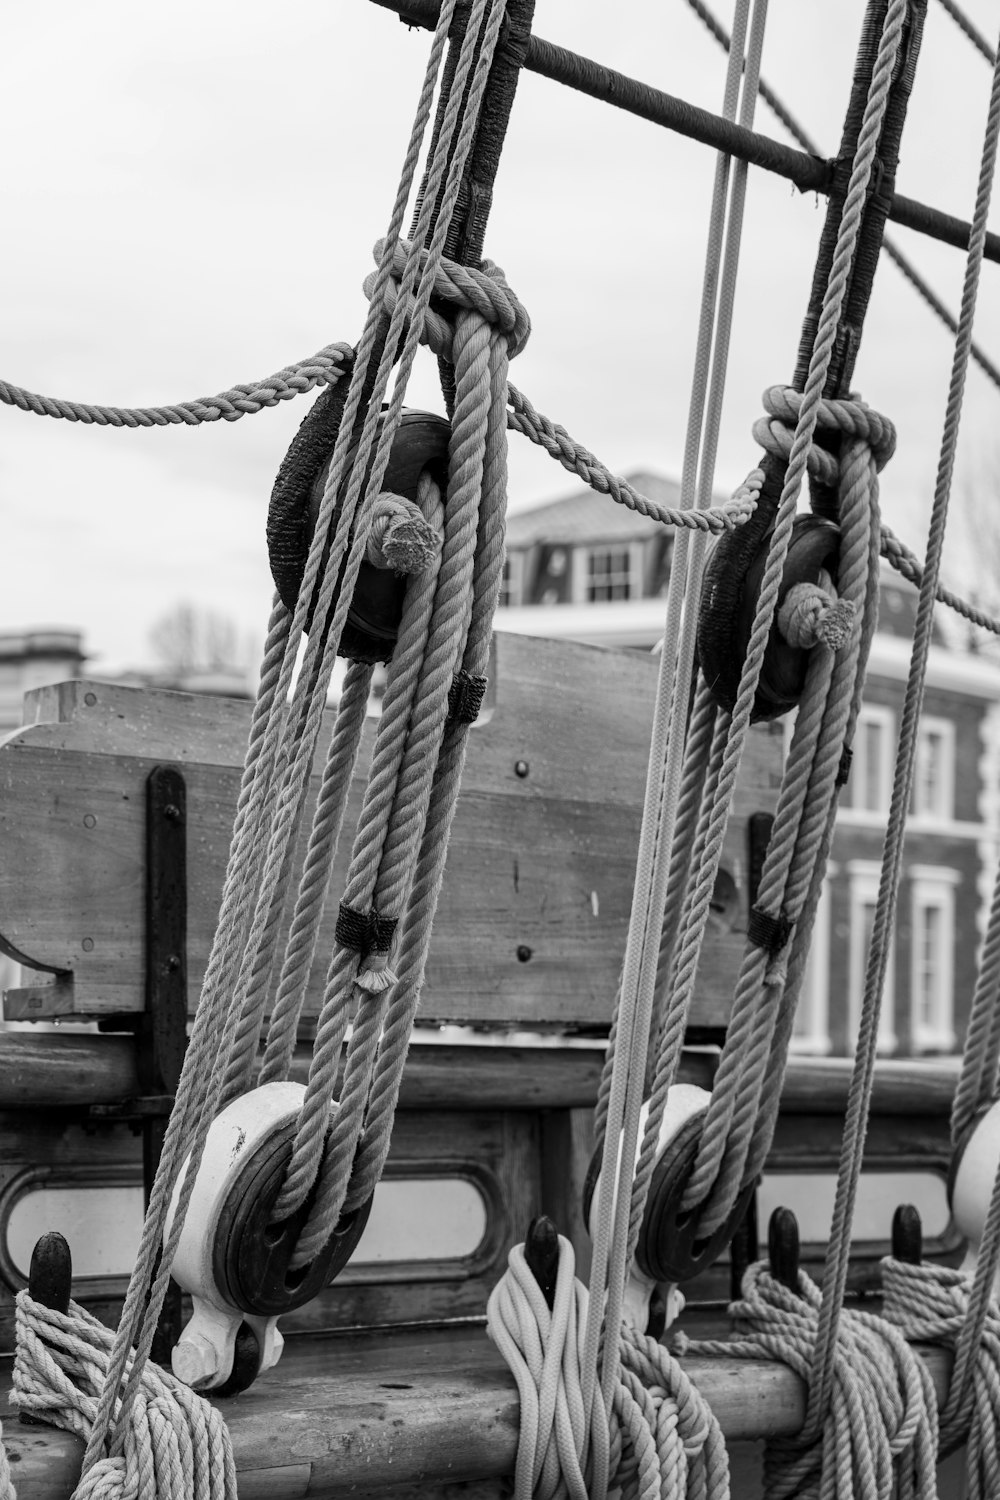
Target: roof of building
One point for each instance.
(587, 517)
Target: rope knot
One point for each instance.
(810, 617)
(481, 289)
(400, 538)
(849, 417)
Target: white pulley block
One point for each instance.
(972, 1186)
(249, 1129)
(685, 1104)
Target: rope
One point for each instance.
(889, 246)
(742, 1080)
(271, 745)
(861, 1083)
(931, 1304)
(965, 24)
(663, 1441)
(324, 368)
(177, 1446)
(879, 1432)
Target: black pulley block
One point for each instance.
(729, 601)
(421, 442)
(251, 1256)
(668, 1248)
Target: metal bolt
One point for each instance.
(173, 963)
(90, 699)
(89, 821)
(523, 953)
(521, 768)
(172, 812)
(87, 945)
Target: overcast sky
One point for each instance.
(191, 195)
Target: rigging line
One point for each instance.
(889, 247)
(809, 173)
(966, 24)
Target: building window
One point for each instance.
(934, 771)
(811, 1027)
(932, 973)
(609, 574)
(864, 876)
(513, 573)
(870, 783)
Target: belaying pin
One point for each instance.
(230, 1256)
(970, 1184)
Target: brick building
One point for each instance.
(583, 568)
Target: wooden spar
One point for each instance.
(57, 1071)
(810, 174)
(357, 1415)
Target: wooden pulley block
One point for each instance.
(970, 1184)
(668, 1251)
(421, 442)
(233, 1260)
(731, 590)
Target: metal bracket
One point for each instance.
(161, 1029)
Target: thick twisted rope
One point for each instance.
(176, 1447)
(196, 1104)
(751, 1066)
(879, 1432)
(806, 411)
(931, 1304)
(479, 352)
(663, 1443)
(861, 1084)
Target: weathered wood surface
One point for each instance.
(53, 1070)
(359, 1417)
(532, 921)
(64, 1070)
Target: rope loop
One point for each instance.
(660, 1438)
(849, 416)
(481, 289)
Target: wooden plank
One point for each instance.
(51, 1069)
(535, 904)
(368, 1415)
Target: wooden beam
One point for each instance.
(59, 1070)
(359, 1416)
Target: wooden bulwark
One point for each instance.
(532, 922)
(357, 1417)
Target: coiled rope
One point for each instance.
(932, 1304)
(879, 1432)
(176, 1445)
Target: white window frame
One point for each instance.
(611, 580)
(882, 716)
(812, 1014)
(933, 887)
(943, 808)
(864, 877)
